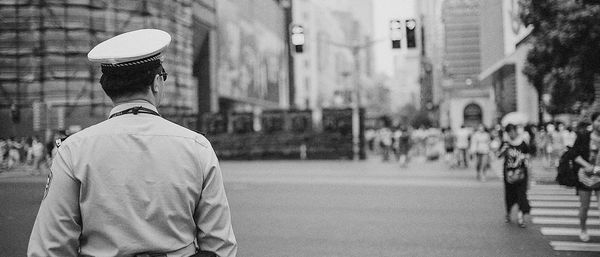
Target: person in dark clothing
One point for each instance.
(585, 154)
(516, 154)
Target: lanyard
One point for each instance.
(134, 111)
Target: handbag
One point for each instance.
(514, 176)
(592, 181)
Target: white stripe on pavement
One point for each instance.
(556, 231)
(562, 221)
(556, 198)
(551, 186)
(561, 212)
(557, 204)
(575, 246)
(551, 192)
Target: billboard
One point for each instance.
(252, 56)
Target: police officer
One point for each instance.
(134, 184)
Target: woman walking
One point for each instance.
(480, 145)
(585, 154)
(515, 152)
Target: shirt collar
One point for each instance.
(135, 103)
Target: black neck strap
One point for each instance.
(134, 111)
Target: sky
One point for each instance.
(384, 11)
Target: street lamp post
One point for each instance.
(356, 96)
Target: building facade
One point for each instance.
(325, 72)
(504, 49)
(432, 47)
(225, 56)
(464, 101)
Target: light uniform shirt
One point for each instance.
(134, 184)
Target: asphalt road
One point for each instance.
(338, 208)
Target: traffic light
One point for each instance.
(396, 33)
(411, 39)
(298, 38)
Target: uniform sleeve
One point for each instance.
(212, 216)
(57, 227)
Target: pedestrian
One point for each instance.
(404, 145)
(585, 153)
(462, 144)
(480, 145)
(385, 142)
(14, 155)
(370, 138)
(3, 152)
(568, 137)
(37, 155)
(449, 143)
(135, 184)
(556, 145)
(516, 174)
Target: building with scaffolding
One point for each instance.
(47, 83)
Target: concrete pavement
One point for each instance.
(338, 208)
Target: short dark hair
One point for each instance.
(510, 127)
(595, 115)
(129, 80)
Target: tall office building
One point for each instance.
(465, 100)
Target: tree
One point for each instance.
(565, 55)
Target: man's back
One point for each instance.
(142, 182)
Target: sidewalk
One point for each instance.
(417, 168)
(20, 171)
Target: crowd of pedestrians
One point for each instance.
(31, 154)
(507, 149)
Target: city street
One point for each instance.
(341, 208)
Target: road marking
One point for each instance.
(561, 212)
(556, 231)
(557, 204)
(556, 191)
(556, 198)
(552, 186)
(562, 221)
(575, 246)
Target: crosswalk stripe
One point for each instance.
(560, 212)
(575, 246)
(556, 204)
(551, 192)
(561, 221)
(556, 209)
(557, 231)
(552, 186)
(556, 198)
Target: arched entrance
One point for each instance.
(472, 115)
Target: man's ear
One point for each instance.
(156, 83)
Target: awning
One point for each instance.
(506, 61)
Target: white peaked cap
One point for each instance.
(130, 48)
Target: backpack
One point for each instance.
(567, 171)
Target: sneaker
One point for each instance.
(520, 220)
(583, 236)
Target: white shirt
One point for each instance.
(134, 184)
(481, 142)
(462, 138)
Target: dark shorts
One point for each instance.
(449, 149)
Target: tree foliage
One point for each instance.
(565, 51)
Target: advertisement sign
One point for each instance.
(252, 59)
